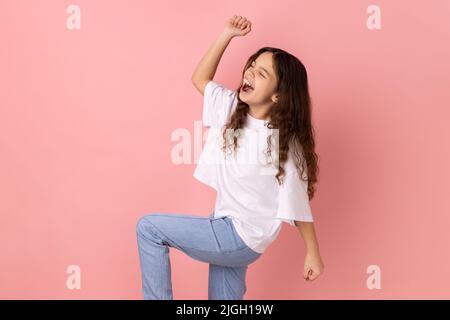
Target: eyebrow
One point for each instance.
(263, 69)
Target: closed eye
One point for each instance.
(260, 73)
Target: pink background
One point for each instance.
(86, 118)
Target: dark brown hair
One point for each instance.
(291, 115)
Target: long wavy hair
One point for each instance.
(291, 115)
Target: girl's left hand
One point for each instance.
(313, 266)
(238, 26)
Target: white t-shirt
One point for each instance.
(247, 190)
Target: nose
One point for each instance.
(249, 75)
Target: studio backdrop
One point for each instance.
(100, 124)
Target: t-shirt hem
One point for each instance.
(258, 248)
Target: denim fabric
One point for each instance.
(207, 239)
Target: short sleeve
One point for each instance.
(218, 103)
(293, 200)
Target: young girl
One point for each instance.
(268, 117)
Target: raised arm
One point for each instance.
(206, 69)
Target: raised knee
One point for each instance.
(143, 224)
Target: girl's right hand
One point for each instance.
(238, 26)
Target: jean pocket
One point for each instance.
(240, 243)
(225, 235)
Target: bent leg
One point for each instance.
(207, 239)
(226, 283)
(155, 264)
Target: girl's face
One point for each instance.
(262, 78)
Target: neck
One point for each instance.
(259, 113)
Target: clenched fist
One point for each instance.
(238, 26)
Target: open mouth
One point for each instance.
(247, 88)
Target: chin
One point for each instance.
(242, 97)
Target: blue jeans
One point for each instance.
(207, 239)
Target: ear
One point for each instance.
(275, 98)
